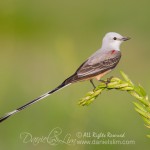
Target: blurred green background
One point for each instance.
(43, 42)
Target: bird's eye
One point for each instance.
(115, 38)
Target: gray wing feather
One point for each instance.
(98, 64)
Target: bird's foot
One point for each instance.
(107, 81)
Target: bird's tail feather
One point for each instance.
(64, 84)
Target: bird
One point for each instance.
(103, 61)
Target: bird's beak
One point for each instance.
(125, 38)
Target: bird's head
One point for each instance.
(113, 40)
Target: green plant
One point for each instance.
(142, 106)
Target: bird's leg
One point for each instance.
(92, 84)
(107, 81)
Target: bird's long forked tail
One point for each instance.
(7, 115)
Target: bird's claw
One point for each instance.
(107, 81)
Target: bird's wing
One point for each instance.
(99, 63)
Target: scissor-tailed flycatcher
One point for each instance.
(96, 66)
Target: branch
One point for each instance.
(142, 106)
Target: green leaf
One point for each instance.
(147, 121)
(143, 92)
(126, 77)
(127, 89)
(138, 91)
(144, 114)
(135, 94)
(139, 106)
